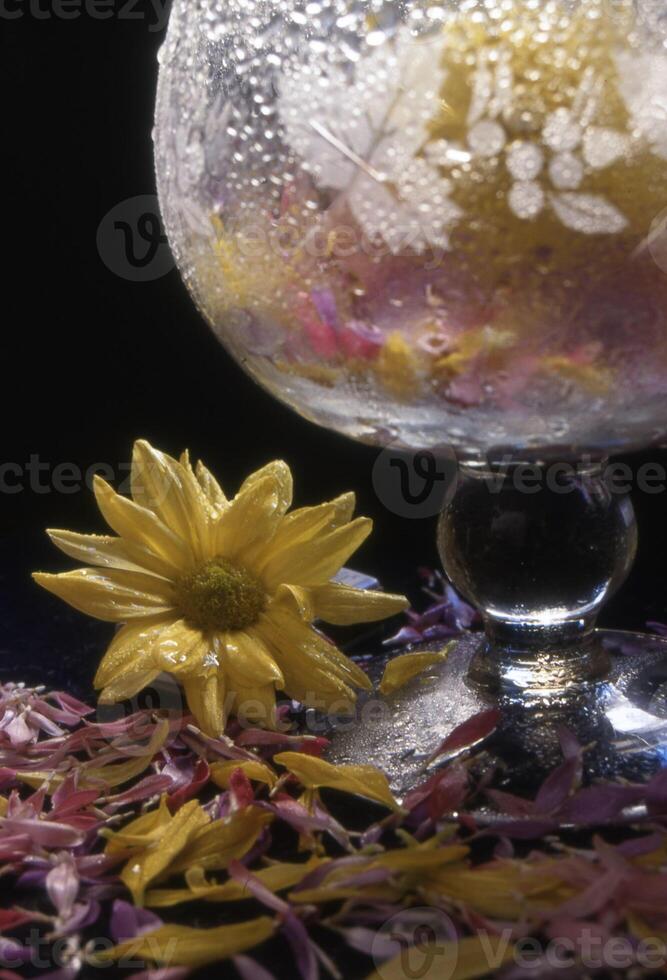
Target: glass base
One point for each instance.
(611, 694)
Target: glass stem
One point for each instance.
(538, 549)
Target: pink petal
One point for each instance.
(469, 733)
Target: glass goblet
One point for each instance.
(436, 225)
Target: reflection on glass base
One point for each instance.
(612, 697)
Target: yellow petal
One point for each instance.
(118, 773)
(255, 706)
(309, 662)
(139, 833)
(108, 552)
(162, 485)
(208, 499)
(314, 773)
(93, 776)
(205, 695)
(158, 855)
(213, 847)
(246, 660)
(114, 595)
(180, 648)
(402, 669)
(280, 476)
(463, 959)
(297, 600)
(184, 946)
(315, 561)
(503, 890)
(141, 526)
(307, 522)
(277, 877)
(130, 645)
(343, 606)
(127, 685)
(211, 488)
(417, 860)
(259, 772)
(250, 520)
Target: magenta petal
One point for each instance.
(12, 953)
(306, 961)
(599, 804)
(40, 720)
(249, 969)
(44, 832)
(470, 732)
(72, 704)
(128, 921)
(514, 806)
(530, 829)
(62, 886)
(19, 732)
(558, 786)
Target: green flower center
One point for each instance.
(220, 595)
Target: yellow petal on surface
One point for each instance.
(158, 854)
(225, 840)
(114, 595)
(94, 776)
(463, 959)
(117, 773)
(205, 695)
(314, 773)
(408, 865)
(403, 669)
(245, 659)
(315, 561)
(257, 771)
(344, 606)
(307, 659)
(139, 833)
(4, 806)
(277, 877)
(504, 890)
(130, 644)
(417, 860)
(185, 946)
(141, 526)
(211, 488)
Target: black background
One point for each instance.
(93, 361)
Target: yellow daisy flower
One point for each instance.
(220, 593)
